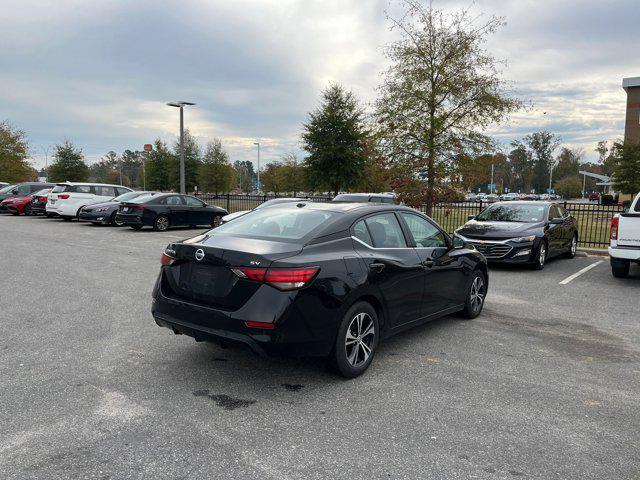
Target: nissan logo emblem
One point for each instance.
(199, 254)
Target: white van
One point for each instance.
(66, 199)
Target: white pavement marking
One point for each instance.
(580, 272)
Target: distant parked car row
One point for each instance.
(511, 196)
(109, 205)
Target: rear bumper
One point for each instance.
(632, 254)
(135, 220)
(295, 334)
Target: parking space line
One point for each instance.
(580, 272)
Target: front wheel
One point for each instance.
(161, 223)
(541, 256)
(27, 210)
(476, 294)
(357, 341)
(114, 221)
(573, 248)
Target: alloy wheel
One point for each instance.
(477, 293)
(162, 223)
(574, 246)
(543, 254)
(360, 339)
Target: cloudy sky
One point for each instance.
(100, 72)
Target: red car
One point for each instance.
(20, 205)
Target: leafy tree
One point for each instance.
(569, 187)
(132, 166)
(568, 163)
(333, 136)
(69, 164)
(606, 158)
(216, 174)
(440, 93)
(522, 163)
(192, 162)
(114, 177)
(626, 173)
(245, 175)
(293, 173)
(99, 171)
(14, 148)
(540, 147)
(159, 165)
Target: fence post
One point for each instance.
(480, 210)
(228, 203)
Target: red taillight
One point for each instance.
(263, 325)
(63, 196)
(614, 228)
(42, 199)
(167, 259)
(283, 279)
(138, 207)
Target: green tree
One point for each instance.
(606, 158)
(14, 149)
(99, 171)
(441, 92)
(245, 175)
(68, 164)
(192, 162)
(293, 174)
(626, 173)
(568, 163)
(540, 147)
(158, 167)
(333, 136)
(522, 163)
(569, 187)
(272, 177)
(216, 174)
(131, 166)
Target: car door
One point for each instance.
(177, 210)
(567, 226)
(444, 278)
(393, 267)
(554, 231)
(198, 213)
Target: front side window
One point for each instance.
(193, 202)
(385, 231)
(23, 190)
(105, 191)
(553, 212)
(424, 233)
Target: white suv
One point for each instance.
(66, 199)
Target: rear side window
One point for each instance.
(23, 189)
(361, 232)
(193, 202)
(83, 189)
(385, 231)
(105, 191)
(173, 200)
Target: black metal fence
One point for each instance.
(593, 220)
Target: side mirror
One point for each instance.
(14, 191)
(458, 243)
(555, 221)
(471, 217)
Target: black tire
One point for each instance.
(353, 354)
(136, 227)
(216, 221)
(620, 268)
(27, 210)
(15, 214)
(476, 295)
(161, 223)
(49, 215)
(113, 222)
(541, 256)
(573, 247)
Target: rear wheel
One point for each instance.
(476, 294)
(620, 268)
(541, 256)
(114, 221)
(27, 210)
(217, 220)
(357, 341)
(161, 223)
(573, 248)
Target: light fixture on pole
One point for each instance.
(258, 144)
(181, 106)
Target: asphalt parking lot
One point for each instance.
(545, 384)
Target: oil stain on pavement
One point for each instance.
(224, 401)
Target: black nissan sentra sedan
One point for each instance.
(317, 279)
(168, 210)
(522, 232)
(105, 213)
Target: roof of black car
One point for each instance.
(347, 207)
(526, 202)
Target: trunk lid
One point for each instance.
(202, 272)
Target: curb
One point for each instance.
(595, 251)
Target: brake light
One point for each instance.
(138, 207)
(167, 259)
(264, 325)
(63, 196)
(282, 279)
(42, 199)
(614, 228)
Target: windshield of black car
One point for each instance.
(280, 224)
(512, 213)
(6, 189)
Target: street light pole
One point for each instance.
(181, 106)
(258, 144)
(491, 189)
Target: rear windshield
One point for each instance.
(142, 198)
(279, 224)
(512, 213)
(125, 197)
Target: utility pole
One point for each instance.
(258, 144)
(181, 106)
(491, 189)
